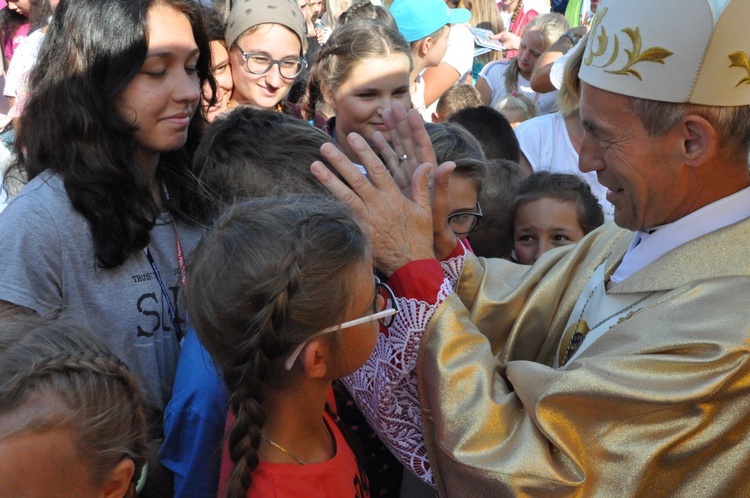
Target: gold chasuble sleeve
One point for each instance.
(658, 406)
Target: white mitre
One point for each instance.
(694, 51)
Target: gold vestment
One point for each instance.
(658, 406)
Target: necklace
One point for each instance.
(582, 328)
(292, 455)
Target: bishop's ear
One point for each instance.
(699, 139)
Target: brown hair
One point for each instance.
(271, 273)
(563, 187)
(456, 98)
(55, 374)
(569, 96)
(494, 238)
(348, 45)
(252, 152)
(453, 142)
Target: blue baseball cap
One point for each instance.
(419, 18)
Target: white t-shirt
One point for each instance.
(494, 74)
(459, 55)
(546, 144)
(417, 99)
(22, 63)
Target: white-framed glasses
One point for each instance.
(384, 309)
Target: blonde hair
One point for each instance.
(549, 27)
(569, 95)
(517, 102)
(486, 15)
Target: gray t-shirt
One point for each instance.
(47, 263)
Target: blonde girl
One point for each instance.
(501, 78)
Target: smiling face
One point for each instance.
(646, 181)
(224, 83)
(162, 97)
(543, 224)
(265, 90)
(529, 50)
(372, 86)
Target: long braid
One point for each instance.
(254, 364)
(260, 284)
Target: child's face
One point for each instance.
(23, 7)
(43, 464)
(224, 84)
(463, 198)
(542, 225)
(372, 86)
(439, 47)
(529, 50)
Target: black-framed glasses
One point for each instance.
(384, 309)
(260, 63)
(464, 222)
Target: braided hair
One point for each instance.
(348, 45)
(271, 273)
(54, 374)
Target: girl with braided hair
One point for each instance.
(282, 295)
(359, 72)
(71, 419)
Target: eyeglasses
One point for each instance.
(260, 63)
(384, 309)
(465, 222)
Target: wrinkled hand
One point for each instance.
(410, 138)
(400, 229)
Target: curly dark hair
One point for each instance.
(70, 125)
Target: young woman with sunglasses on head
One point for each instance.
(283, 313)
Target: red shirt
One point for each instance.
(339, 477)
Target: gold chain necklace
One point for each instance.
(582, 328)
(292, 455)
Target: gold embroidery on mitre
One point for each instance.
(740, 59)
(635, 56)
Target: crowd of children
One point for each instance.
(180, 232)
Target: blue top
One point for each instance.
(194, 423)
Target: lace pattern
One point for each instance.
(385, 387)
